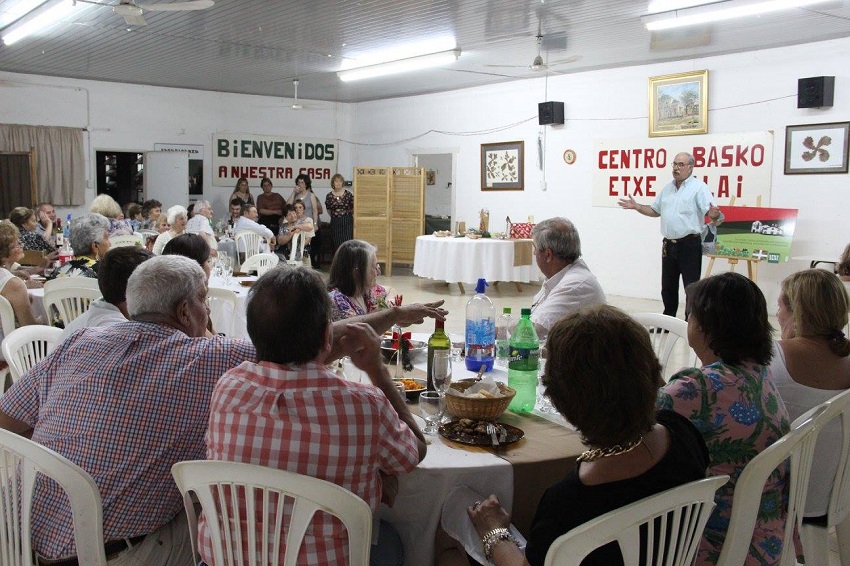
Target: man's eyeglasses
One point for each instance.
(679, 165)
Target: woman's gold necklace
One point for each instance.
(597, 453)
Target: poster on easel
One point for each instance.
(763, 234)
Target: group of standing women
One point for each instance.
(274, 209)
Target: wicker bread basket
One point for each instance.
(479, 409)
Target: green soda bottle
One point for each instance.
(523, 361)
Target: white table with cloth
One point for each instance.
(518, 474)
(464, 260)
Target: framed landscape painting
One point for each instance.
(678, 104)
(502, 166)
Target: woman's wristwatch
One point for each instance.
(496, 536)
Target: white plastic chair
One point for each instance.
(20, 462)
(297, 244)
(66, 304)
(223, 310)
(669, 341)
(797, 446)
(247, 243)
(126, 240)
(672, 522)
(260, 263)
(220, 488)
(26, 346)
(7, 323)
(814, 536)
(70, 283)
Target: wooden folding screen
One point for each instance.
(389, 210)
(372, 210)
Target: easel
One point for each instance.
(752, 262)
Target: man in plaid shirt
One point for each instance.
(126, 402)
(290, 411)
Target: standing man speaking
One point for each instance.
(682, 205)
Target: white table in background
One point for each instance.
(463, 260)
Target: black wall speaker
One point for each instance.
(550, 113)
(815, 92)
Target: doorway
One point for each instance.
(439, 168)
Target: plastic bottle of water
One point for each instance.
(523, 363)
(66, 230)
(504, 329)
(480, 330)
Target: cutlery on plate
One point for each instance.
(503, 434)
(491, 430)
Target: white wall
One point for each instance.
(438, 197)
(134, 118)
(748, 92)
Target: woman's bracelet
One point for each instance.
(495, 536)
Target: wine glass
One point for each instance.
(441, 371)
(431, 408)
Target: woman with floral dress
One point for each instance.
(353, 282)
(733, 401)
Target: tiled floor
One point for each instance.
(416, 289)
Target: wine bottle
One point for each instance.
(439, 340)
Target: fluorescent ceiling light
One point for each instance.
(38, 20)
(667, 5)
(400, 66)
(393, 52)
(719, 11)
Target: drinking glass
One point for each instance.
(431, 408)
(543, 404)
(458, 342)
(441, 372)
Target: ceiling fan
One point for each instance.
(296, 103)
(132, 12)
(539, 65)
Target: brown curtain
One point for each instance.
(59, 157)
(15, 182)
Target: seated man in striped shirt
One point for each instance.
(290, 411)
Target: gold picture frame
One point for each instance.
(678, 104)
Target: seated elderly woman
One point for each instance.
(601, 353)
(733, 401)
(177, 218)
(12, 288)
(811, 364)
(24, 219)
(108, 207)
(353, 280)
(90, 242)
(192, 246)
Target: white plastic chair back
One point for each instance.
(798, 446)
(68, 303)
(671, 346)
(247, 243)
(814, 535)
(27, 345)
(223, 310)
(7, 316)
(260, 263)
(21, 460)
(7, 324)
(70, 283)
(672, 523)
(126, 240)
(297, 244)
(220, 488)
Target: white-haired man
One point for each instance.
(569, 284)
(200, 224)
